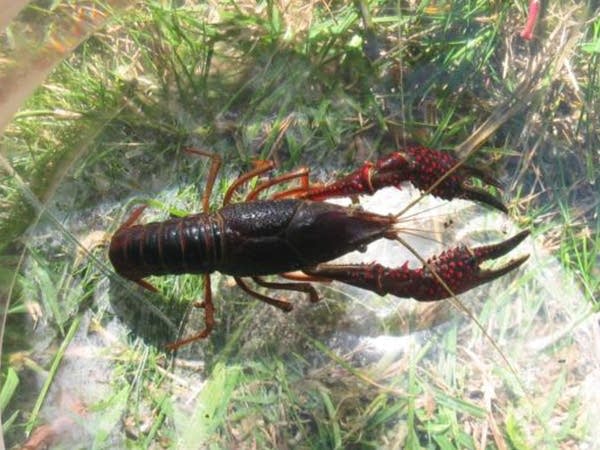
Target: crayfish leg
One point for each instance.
(278, 303)
(307, 288)
(261, 167)
(209, 319)
(301, 174)
(133, 217)
(215, 166)
(146, 285)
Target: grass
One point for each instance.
(326, 85)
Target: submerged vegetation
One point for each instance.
(322, 84)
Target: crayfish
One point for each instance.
(296, 230)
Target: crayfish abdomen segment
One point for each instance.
(190, 244)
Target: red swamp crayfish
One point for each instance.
(295, 230)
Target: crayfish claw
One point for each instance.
(453, 272)
(482, 174)
(437, 172)
(482, 196)
(459, 270)
(495, 251)
(478, 194)
(491, 274)
(425, 168)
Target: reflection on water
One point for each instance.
(263, 369)
(536, 317)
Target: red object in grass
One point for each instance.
(534, 10)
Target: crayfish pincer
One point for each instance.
(295, 230)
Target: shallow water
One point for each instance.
(97, 341)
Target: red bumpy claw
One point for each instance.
(459, 268)
(420, 166)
